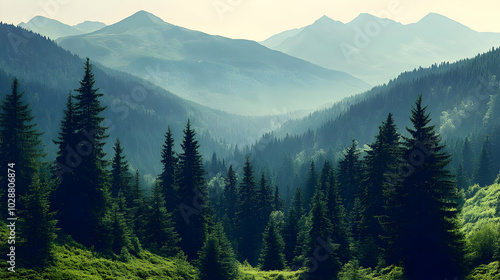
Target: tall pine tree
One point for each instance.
(217, 259)
(168, 175)
(247, 214)
(20, 142)
(292, 226)
(426, 237)
(350, 170)
(230, 202)
(380, 160)
(121, 178)
(39, 226)
(318, 242)
(278, 203)
(119, 229)
(91, 190)
(310, 186)
(192, 215)
(336, 213)
(160, 234)
(265, 201)
(272, 256)
(63, 168)
(484, 175)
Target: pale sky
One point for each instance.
(253, 19)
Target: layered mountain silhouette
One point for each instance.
(55, 29)
(138, 111)
(377, 50)
(237, 76)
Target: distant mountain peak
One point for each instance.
(324, 18)
(143, 17)
(41, 21)
(434, 19)
(365, 16)
(325, 21)
(89, 26)
(435, 16)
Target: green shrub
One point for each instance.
(482, 244)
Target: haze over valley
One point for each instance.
(134, 147)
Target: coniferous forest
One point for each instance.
(391, 184)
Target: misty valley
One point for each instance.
(146, 150)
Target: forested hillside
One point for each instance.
(137, 110)
(462, 98)
(401, 182)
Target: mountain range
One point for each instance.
(219, 130)
(377, 50)
(462, 98)
(55, 29)
(237, 76)
(138, 111)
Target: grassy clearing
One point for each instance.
(71, 262)
(249, 272)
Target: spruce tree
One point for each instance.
(138, 208)
(91, 190)
(217, 259)
(167, 178)
(265, 202)
(192, 213)
(160, 235)
(324, 178)
(428, 237)
(350, 175)
(484, 175)
(63, 168)
(292, 226)
(310, 186)
(20, 142)
(39, 226)
(319, 242)
(119, 229)
(136, 191)
(278, 203)
(231, 199)
(247, 215)
(121, 178)
(272, 256)
(336, 213)
(379, 161)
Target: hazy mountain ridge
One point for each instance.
(462, 99)
(377, 50)
(47, 73)
(55, 29)
(238, 76)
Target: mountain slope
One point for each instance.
(138, 112)
(237, 76)
(463, 99)
(55, 29)
(377, 50)
(89, 26)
